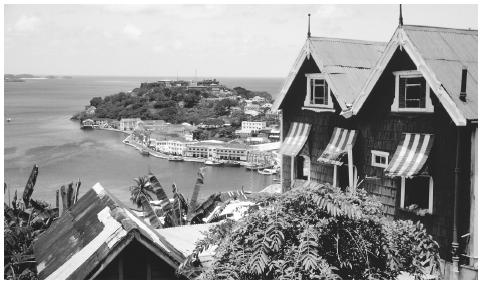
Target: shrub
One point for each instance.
(316, 232)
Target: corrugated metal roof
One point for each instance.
(346, 62)
(184, 238)
(348, 81)
(85, 235)
(346, 52)
(446, 51)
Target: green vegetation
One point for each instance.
(174, 105)
(316, 232)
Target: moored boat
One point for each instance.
(145, 152)
(213, 163)
(268, 171)
(175, 158)
(232, 163)
(254, 166)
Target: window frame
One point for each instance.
(411, 74)
(309, 93)
(430, 193)
(380, 153)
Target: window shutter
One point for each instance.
(401, 92)
(422, 92)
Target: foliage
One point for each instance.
(316, 232)
(174, 105)
(141, 191)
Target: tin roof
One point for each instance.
(446, 51)
(439, 54)
(345, 62)
(97, 227)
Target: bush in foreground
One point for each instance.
(316, 232)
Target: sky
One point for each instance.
(212, 40)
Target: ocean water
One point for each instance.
(41, 133)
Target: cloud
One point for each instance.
(27, 23)
(159, 49)
(132, 32)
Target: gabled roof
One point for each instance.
(91, 233)
(346, 64)
(440, 54)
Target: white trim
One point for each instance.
(400, 39)
(430, 193)
(335, 175)
(350, 167)
(309, 93)
(383, 154)
(410, 74)
(318, 109)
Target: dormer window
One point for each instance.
(317, 92)
(412, 93)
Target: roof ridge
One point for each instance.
(447, 29)
(353, 41)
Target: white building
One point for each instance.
(247, 126)
(174, 147)
(129, 124)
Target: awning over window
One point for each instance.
(338, 146)
(296, 139)
(411, 155)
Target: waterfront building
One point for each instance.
(101, 238)
(175, 147)
(218, 151)
(129, 124)
(398, 120)
(248, 126)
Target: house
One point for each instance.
(418, 121)
(101, 238)
(129, 124)
(324, 81)
(399, 120)
(90, 110)
(248, 126)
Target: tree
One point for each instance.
(140, 191)
(96, 101)
(316, 232)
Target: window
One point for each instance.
(303, 167)
(417, 194)
(380, 159)
(412, 93)
(317, 92)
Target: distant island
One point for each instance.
(22, 77)
(205, 102)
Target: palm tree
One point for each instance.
(140, 191)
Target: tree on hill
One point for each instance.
(96, 101)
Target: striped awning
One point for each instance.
(338, 146)
(411, 155)
(296, 139)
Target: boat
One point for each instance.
(232, 163)
(175, 158)
(9, 120)
(254, 166)
(213, 162)
(268, 171)
(145, 152)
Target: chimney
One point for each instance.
(463, 85)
